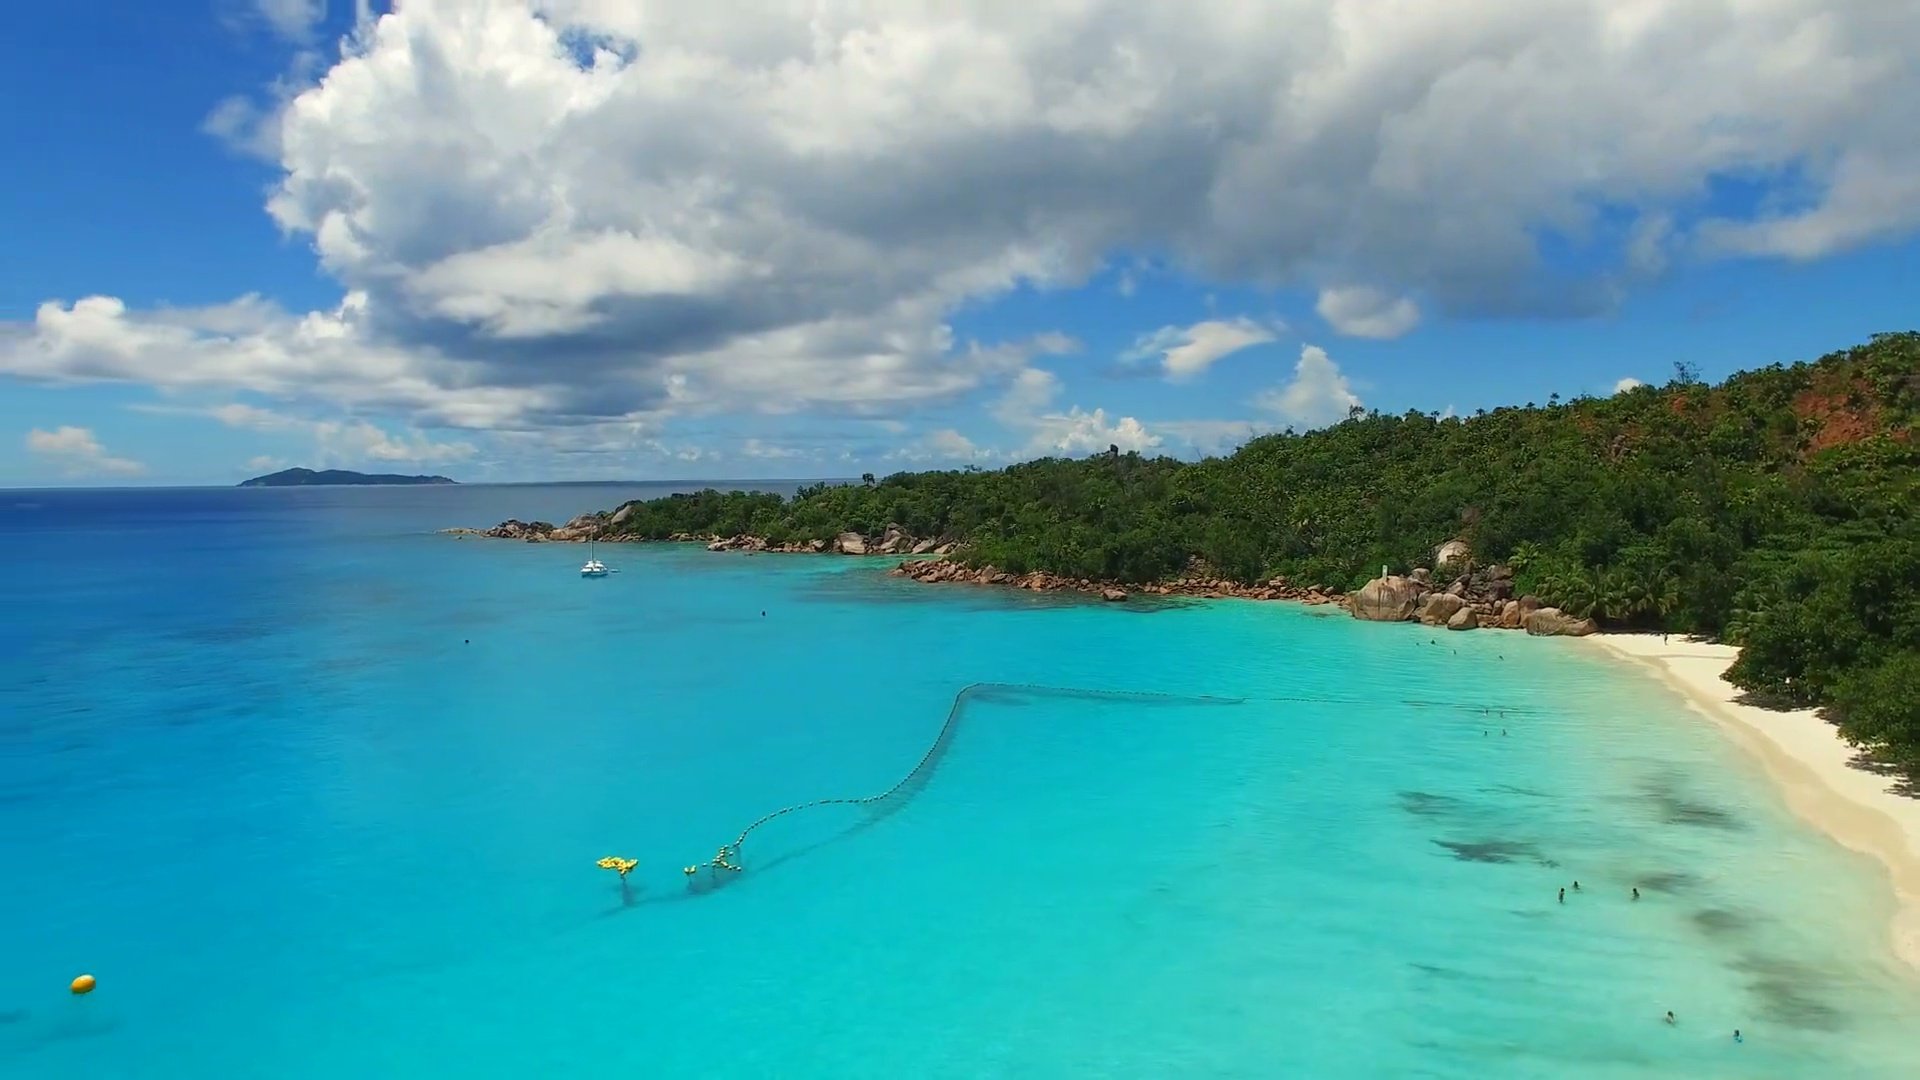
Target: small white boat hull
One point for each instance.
(594, 567)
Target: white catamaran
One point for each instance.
(593, 567)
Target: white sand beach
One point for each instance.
(1807, 757)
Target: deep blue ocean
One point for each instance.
(315, 791)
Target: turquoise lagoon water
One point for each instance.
(317, 793)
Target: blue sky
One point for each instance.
(593, 242)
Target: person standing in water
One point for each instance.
(1563, 895)
(1636, 892)
(1670, 1018)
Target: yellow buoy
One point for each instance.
(83, 985)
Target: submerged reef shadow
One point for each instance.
(1789, 993)
(1496, 851)
(1667, 881)
(1458, 975)
(1721, 922)
(1429, 805)
(1515, 789)
(1676, 808)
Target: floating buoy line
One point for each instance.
(727, 861)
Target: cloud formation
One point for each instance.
(336, 442)
(1317, 395)
(1187, 351)
(948, 444)
(1626, 384)
(293, 20)
(1027, 410)
(555, 214)
(347, 441)
(78, 453)
(1361, 311)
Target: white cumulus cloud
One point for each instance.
(1626, 384)
(1317, 395)
(361, 441)
(1360, 311)
(291, 19)
(1027, 410)
(1207, 436)
(77, 452)
(949, 443)
(1187, 351)
(1077, 431)
(335, 441)
(548, 214)
(942, 447)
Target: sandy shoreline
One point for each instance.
(1807, 758)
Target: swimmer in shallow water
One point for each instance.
(1563, 896)
(1670, 1018)
(1636, 892)
(1736, 1036)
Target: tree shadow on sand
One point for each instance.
(1901, 780)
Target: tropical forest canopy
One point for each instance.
(1775, 511)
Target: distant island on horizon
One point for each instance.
(339, 478)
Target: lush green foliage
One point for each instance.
(1776, 510)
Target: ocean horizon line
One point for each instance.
(236, 486)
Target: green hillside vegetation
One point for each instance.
(1775, 511)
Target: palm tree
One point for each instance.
(1574, 593)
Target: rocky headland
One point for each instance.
(1475, 598)
(946, 571)
(606, 529)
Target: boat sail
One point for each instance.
(593, 567)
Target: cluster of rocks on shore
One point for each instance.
(893, 541)
(1480, 597)
(940, 570)
(1477, 599)
(579, 530)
